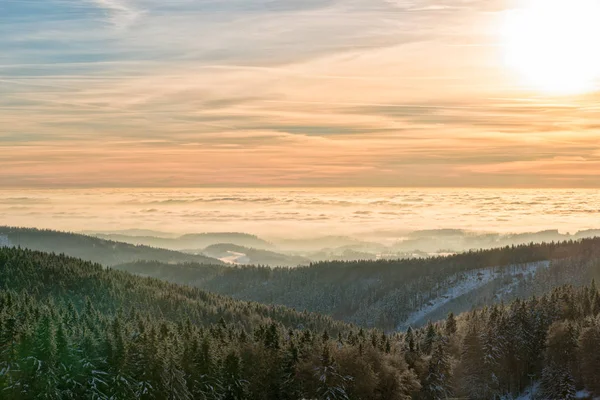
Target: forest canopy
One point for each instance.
(72, 329)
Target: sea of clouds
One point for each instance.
(296, 213)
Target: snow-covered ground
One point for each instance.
(527, 271)
(528, 394)
(5, 241)
(463, 283)
(235, 258)
(584, 394)
(531, 394)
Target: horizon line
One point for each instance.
(284, 187)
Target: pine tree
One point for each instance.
(475, 372)
(42, 369)
(437, 385)
(271, 339)
(411, 353)
(290, 388)
(430, 338)
(9, 363)
(332, 385)
(66, 365)
(121, 384)
(173, 383)
(409, 340)
(206, 380)
(9, 340)
(589, 343)
(492, 352)
(562, 345)
(45, 342)
(557, 383)
(233, 384)
(450, 325)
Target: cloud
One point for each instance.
(259, 93)
(121, 13)
(306, 210)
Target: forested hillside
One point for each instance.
(392, 294)
(549, 343)
(90, 248)
(71, 329)
(192, 241)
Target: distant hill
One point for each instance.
(383, 245)
(105, 252)
(224, 251)
(318, 243)
(458, 240)
(70, 279)
(392, 294)
(134, 232)
(191, 241)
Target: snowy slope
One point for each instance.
(5, 241)
(464, 283)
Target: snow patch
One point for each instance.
(235, 258)
(584, 394)
(527, 271)
(5, 241)
(529, 393)
(463, 283)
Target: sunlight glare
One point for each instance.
(553, 44)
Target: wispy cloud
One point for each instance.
(120, 13)
(261, 92)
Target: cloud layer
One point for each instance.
(148, 93)
(287, 213)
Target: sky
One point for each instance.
(280, 93)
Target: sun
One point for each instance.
(555, 44)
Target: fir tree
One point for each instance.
(557, 383)
(437, 384)
(430, 338)
(589, 343)
(450, 325)
(233, 384)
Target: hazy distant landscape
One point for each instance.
(389, 291)
(293, 252)
(298, 226)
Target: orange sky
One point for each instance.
(117, 93)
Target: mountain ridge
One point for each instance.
(91, 248)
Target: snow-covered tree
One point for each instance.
(438, 383)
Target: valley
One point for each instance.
(105, 333)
